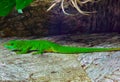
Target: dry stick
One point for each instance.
(63, 9)
(51, 6)
(79, 10)
(54, 3)
(74, 3)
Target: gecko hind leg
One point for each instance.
(37, 53)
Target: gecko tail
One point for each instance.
(73, 50)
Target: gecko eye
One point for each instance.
(11, 44)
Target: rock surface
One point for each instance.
(102, 67)
(53, 67)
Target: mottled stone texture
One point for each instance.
(37, 22)
(56, 67)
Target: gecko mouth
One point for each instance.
(9, 47)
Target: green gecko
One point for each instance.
(42, 46)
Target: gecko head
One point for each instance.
(11, 45)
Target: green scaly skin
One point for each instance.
(42, 46)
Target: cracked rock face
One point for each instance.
(53, 67)
(50, 67)
(102, 67)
